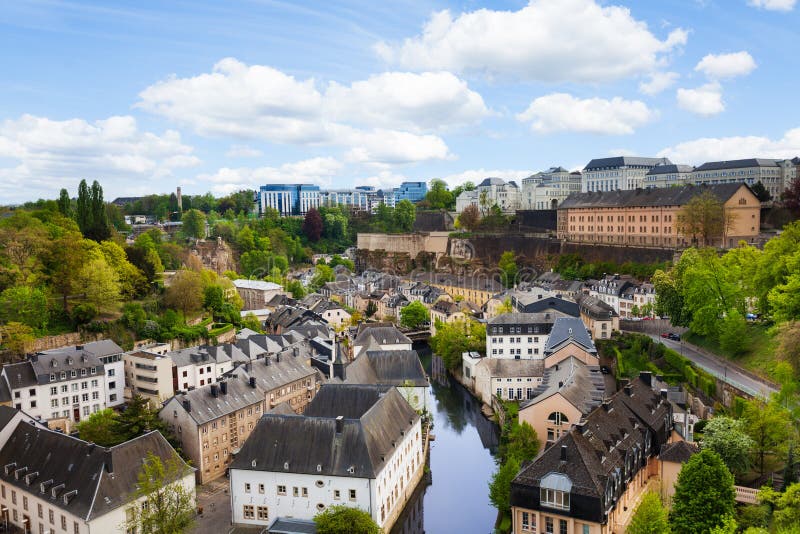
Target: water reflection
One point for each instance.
(461, 465)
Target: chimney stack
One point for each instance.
(278, 357)
(647, 377)
(266, 360)
(664, 394)
(607, 405)
(252, 382)
(339, 424)
(628, 390)
(214, 390)
(563, 453)
(223, 387)
(180, 200)
(187, 405)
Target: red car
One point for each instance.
(665, 334)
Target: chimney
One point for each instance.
(278, 357)
(647, 377)
(109, 459)
(664, 394)
(628, 390)
(187, 405)
(563, 453)
(252, 382)
(266, 360)
(214, 390)
(180, 200)
(223, 387)
(339, 424)
(607, 405)
(248, 367)
(295, 352)
(560, 384)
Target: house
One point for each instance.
(520, 336)
(774, 174)
(625, 173)
(285, 377)
(256, 293)
(213, 422)
(286, 317)
(389, 305)
(399, 368)
(599, 317)
(569, 391)
(538, 302)
(569, 338)
(366, 452)
(590, 480)
(491, 192)
(199, 366)
(52, 482)
(477, 289)
(379, 336)
(671, 460)
(149, 375)
(505, 378)
(110, 354)
(331, 312)
(547, 189)
(446, 312)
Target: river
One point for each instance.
(461, 465)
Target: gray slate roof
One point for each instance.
(204, 407)
(506, 367)
(275, 375)
(382, 335)
(388, 368)
(625, 161)
(491, 181)
(290, 525)
(198, 356)
(79, 466)
(595, 308)
(375, 421)
(523, 318)
(566, 330)
(737, 164)
(661, 196)
(669, 169)
(20, 375)
(678, 452)
(581, 385)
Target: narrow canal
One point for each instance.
(461, 465)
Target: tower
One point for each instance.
(180, 202)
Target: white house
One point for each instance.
(490, 192)
(518, 336)
(399, 368)
(200, 366)
(366, 452)
(111, 355)
(51, 482)
(380, 336)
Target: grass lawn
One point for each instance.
(758, 358)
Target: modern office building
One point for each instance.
(287, 199)
(623, 172)
(411, 191)
(775, 175)
(668, 175)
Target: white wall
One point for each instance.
(518, 346)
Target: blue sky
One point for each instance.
(218, 96)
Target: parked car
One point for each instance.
(665, 334)
(674, 337)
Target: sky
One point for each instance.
(221, 96)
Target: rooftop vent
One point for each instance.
(68, 496)
(563, 453)
(214, 390)
(187, 405)
(253, 382)
(223, 387)
(55, 489)
(339, 424)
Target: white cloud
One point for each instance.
(720, 66)
(243, 151)
(621, 152)
(259, 102)
(426, 101)
(705, 100)
(659, 81)
(567, 40)
(48, 154)
(561, 112)
(723, 148)
(318, 171)
(773, 5)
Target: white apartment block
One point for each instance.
(149, 375)
(622, 172)
(518, 336)
(196, 367)
(547, 189)
(489, 192)
(111, 355)
(774, 174)
(668, 175)
(299, 477)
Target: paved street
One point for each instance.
(216, 504)
(725, 370)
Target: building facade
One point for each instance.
(649, 217)
(287, 199)
(256, 293)
(518, 336)
(411, 191)
(775, 175)
(547, 189)
(490, 192)
(149, 375)
(668, 175)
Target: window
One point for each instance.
(352, 494)
(249, 511)
(305, 492)
(295, 491)
(585, 529)
(247, 487)
(263, 513)
(63, 522)
(554, 498)
(526, 521)
(337, 495)
(562, 526)
(281, 490)
(53, 390)
(548, 525)
(261, 488)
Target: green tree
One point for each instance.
(251, 321)
(438, 196)
(371, 309)
(213, 297)
(453, 339)
(769, 426)
(345, 520)
(17, 337)
(99, 283)
(138, 419)
(185, 292)
(83, 208)
(727, 437)
(23, 304)
(100, 428)
(761, 192)
(650, 516)
(245, 239)
(521, 443)
(500, 485)
(405, 213)
(785, 507)
(64, 203)
(508, 268)
(704, 218)
(99, 227)
(322, 275)
(194, 223)
(704, 495)
(414, 314)
(170, 504)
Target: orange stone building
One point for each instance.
(649, 217)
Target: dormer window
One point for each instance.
(555, 490)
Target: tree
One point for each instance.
(761, 192)
(371, 309)
(727, 437)
(500, 485)
(768, 424)
(508, 268)
(791, 197)
(345, 520)
(251, 321)
(733, 337)
(194, 223)
(414, 315)
(785, 507)
(213, 297)
(704, 495)
(17, 337)
(453, 339)
(138, 419)
(312, 225)
(470, 218)
(405, 213)
(650, 516)
(83, 208)
(100, 428)
(169, 506)
(438, 196)
(185, 292)
(64, 203)
(322, 275)
(23, 304)
(99, 227)
(704, 216)
(99, 283)
(521, 443)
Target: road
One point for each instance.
(722, 369)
